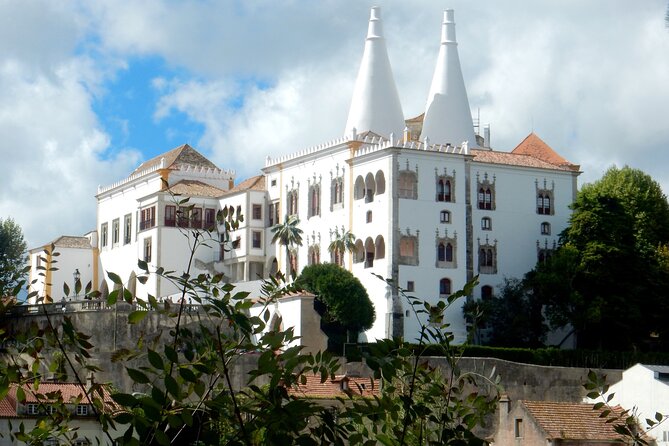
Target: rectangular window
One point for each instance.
(257, 212)
(32, 409)
(257, 239)
(196, 218)
(170, 215)
(115, 232)
(273, 214)
(445, 217)
(147, 218)
(147, 249)
(518, 428)
(127, 229)
(410, 286)
(273, 183)
(209, 219)
(104, 234)
(183, 215)
(82, 410)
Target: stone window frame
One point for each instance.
(147, 249)
(314, 198)
(444, 179)
(406, 192)
(409, 259)
(545, 202)
(337, 189)
(444, 216)
(445, 241)
(485, 192)
(313, 255)
(487, 257)
(486, 224)
(545, 252)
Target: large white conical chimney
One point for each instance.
(448, 118)
(375, 105)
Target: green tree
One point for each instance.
(609, 277)
(13, 257)
(345, 299)
(288, 234)
(508, 326)
(343, 242)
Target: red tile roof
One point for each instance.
(535, 147)
(333, 388)
(512, 159)
(194, 188)
(571, 421)
(184, 154)
(69, 392)
(253, 183)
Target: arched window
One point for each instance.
(440, 190)
(380, 180)
(449, 252)
(369, 253)
(370, 188)
(488, 199)
(447, 191)
(441, 252)
(337, 193)
(380, 245)
(545, 228)
(359, 189)
(314, 200)
(481, 201)
(444, 287)
(544, 203)
(486, 292)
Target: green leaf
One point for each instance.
(171, 354)
(172, 387)
(20, 394)
(187, 374)
(137, 316)
(114, 278)
(125, 399)
(137, 376)
(155, 360)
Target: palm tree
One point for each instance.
(288, 234)
(342, 242)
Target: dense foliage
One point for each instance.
(12, 257)
(346, 303)
(609, 277)
(183, 392)
(606, 281)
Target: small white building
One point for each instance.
(646, 388)
(430, 203)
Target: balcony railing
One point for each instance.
(146, 224)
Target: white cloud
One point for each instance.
(274, 77)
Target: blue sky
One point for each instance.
(91, 89)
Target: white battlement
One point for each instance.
(190, 170)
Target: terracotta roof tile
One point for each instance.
(333, 388)
(535, 147)
(194, 188)
(184, 154)
(571, 421)
(514, 159)
(253, 183)
(418, 118)
(69, 392)
(68, 241)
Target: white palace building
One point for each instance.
(431, 205)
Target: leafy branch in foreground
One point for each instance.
(624, 421)
(184, 389)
